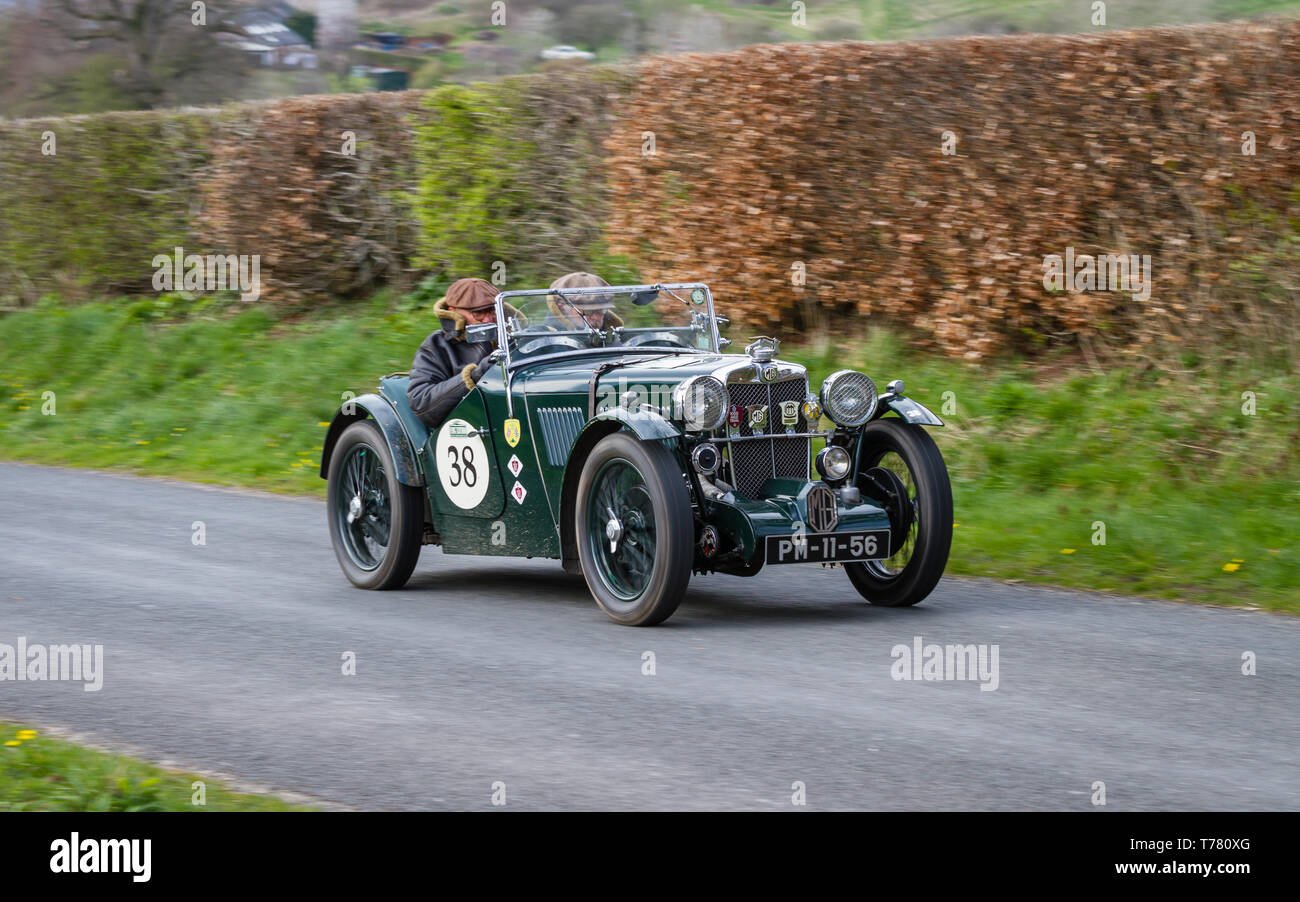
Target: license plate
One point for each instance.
(821, 549)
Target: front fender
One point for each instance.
(648, 426)
(399, 443)
(645, 425)
(912, 412)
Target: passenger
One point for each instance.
(597, 310)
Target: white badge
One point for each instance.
(462, 464)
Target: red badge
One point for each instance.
(735, 416)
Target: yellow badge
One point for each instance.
(512, 432)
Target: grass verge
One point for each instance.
(1120, 478)
(40, 773)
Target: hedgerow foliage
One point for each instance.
(829, 158)
(513, 172)
(320, 187)
(87, 201)
(823, 161)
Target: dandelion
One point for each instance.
(322, 423)
(1231, 567)
(1067, 551)
(26, 734)
(12, 742)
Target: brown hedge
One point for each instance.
(830, 156)
(320, 187)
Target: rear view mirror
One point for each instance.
(480, 332)
(641, 298)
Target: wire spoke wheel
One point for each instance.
(634, 530)
(921, 519)
(363, 507)
(895, 564)
(375, 521)
(621, 529)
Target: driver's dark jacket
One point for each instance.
(437, 384)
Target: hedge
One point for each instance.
(809, 182)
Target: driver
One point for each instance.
(597, 309)
(447, 367)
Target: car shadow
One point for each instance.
(710, 602)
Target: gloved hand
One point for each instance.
(473, 373)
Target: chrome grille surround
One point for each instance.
(755, 461)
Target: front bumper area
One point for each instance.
(744, 525)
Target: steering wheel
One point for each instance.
(567, 341)
(669, 339)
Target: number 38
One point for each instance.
(462, 465)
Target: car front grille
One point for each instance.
(758, 460)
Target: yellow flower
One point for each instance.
(142, 443)
(1067, 551)
(1238, 560)
(1231, 568)
(322, 424)
(12, 742)
(26, 734)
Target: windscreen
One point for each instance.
(619, 318)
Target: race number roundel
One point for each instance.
(462, 464)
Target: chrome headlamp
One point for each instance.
(701, 402)
(848, 397)
(833, 463)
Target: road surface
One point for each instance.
(228, 658)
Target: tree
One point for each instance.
(144, 30)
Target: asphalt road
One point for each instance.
(227, 658)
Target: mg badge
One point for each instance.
(757, 416)
(770, 373)
(512, 432)
(790, 414)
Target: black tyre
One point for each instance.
(376, 523)
(919, 558)
(634, 529)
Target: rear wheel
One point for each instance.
(915, 485)
(634, 530)
(375, 521)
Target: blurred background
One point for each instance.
(90, 56)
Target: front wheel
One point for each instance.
(919, 498)
(375, 522)
(634, 528)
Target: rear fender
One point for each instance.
(399, 443)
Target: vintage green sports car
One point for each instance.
(631, 447)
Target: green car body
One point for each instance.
(501, 475)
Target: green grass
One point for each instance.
(39, 773)
(1199, 501)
